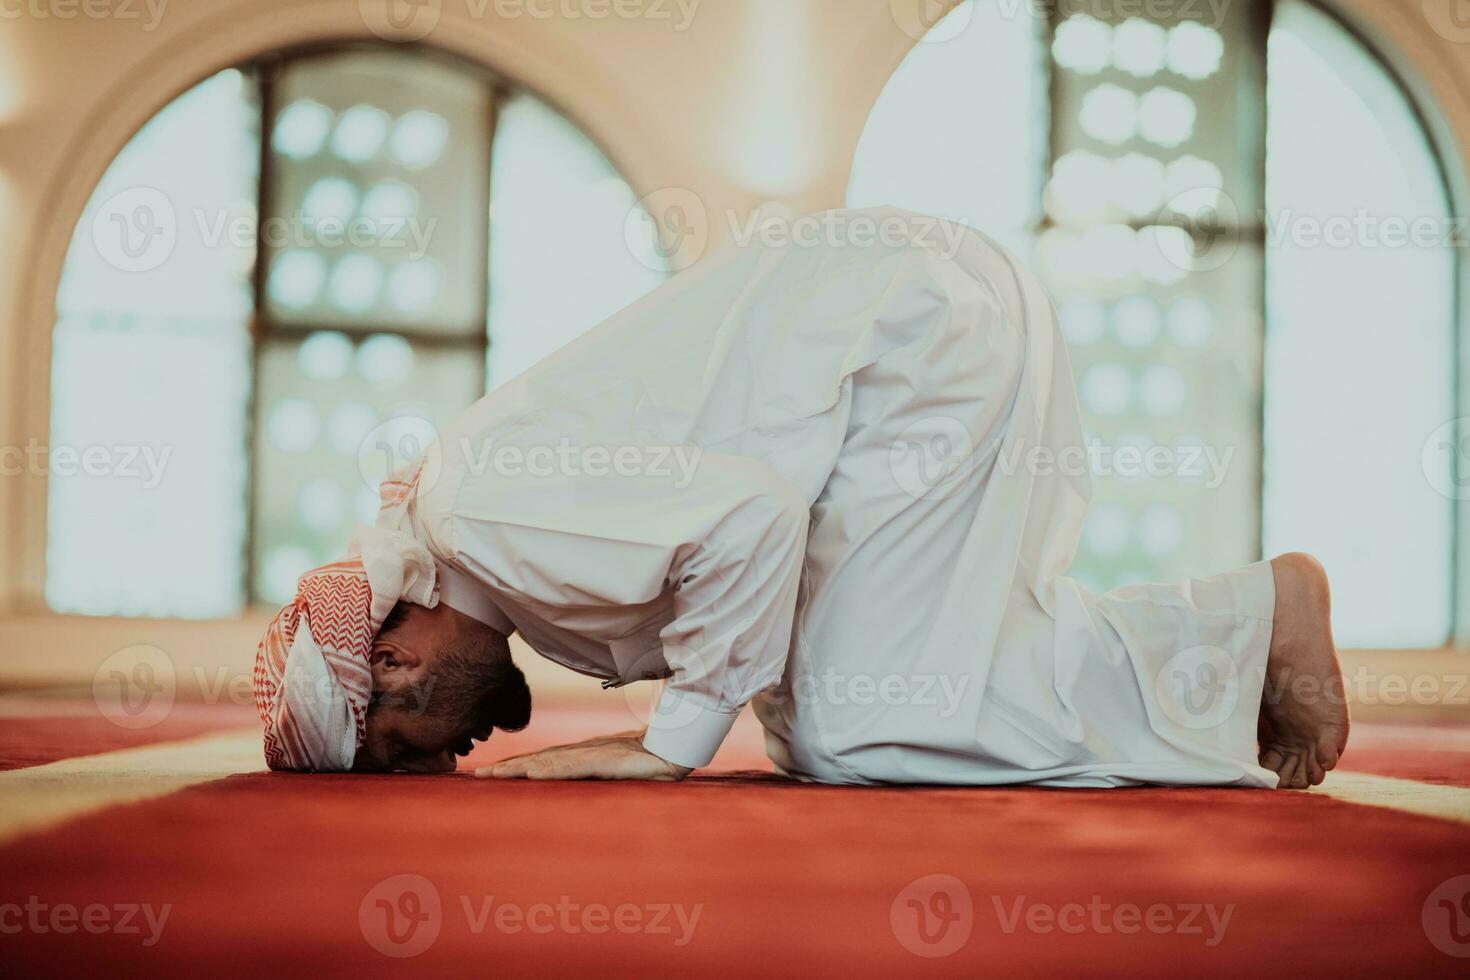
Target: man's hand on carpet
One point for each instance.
(609, 757)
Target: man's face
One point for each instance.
(393, 744)
(400, 741)
(402, 738)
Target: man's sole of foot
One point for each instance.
(1304, 714)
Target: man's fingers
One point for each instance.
(566, 765)
(525, 758)
(513, 758)
(550, 748)
(509, 768)
(587, 743)
(558, 763)
(616, 757)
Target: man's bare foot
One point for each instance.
(1303, 727)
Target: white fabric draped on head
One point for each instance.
(313, 675)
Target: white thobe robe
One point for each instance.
(843, 482)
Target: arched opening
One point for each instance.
(344, 245)
(1190, 162)
(1360, 312)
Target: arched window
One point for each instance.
(988, 172)
(1360, 342)
(288, 279)
(1244, 386)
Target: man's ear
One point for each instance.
(397, 673)
(390, 657)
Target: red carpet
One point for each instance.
(770, 877)
(35, 731)
(1438, 754)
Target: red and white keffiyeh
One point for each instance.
(313, 678)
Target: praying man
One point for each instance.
(840, 483)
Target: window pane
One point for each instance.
(1360, 344)
(378, 194)
(1150, 254)
(569, 244)
(959, 130)
(336, 418)
(379, 190)
(150, 369)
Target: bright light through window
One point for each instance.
(959, 130)
(1360, 343)
(151, 368)
(566, 247)
(365, 343)
(1155, 124)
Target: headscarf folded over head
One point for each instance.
(313, 676)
